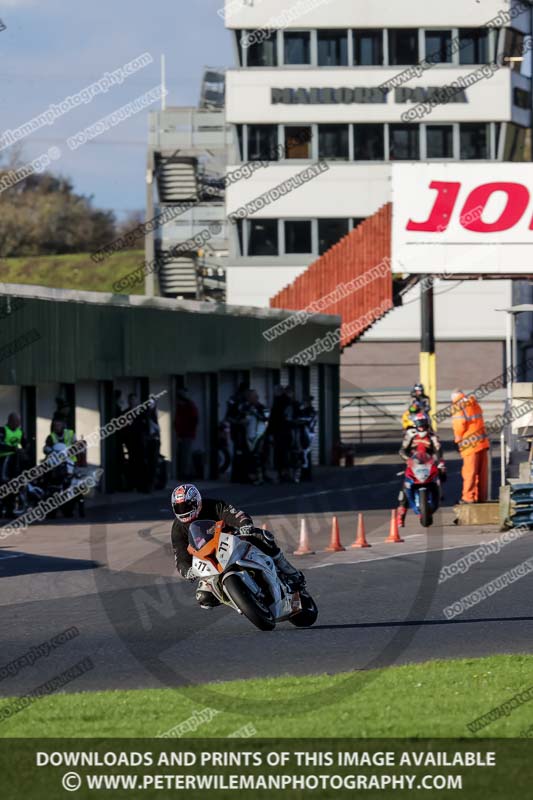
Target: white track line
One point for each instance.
(394, 555)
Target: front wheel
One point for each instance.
(426, 515)
(258, 614)
(307, 616)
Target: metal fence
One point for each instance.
(377, 414)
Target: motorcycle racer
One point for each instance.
(408, 415)
(418, 393)
(188, 505)
(420, 436)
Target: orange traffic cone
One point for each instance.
(394, 537)
(360, 540)
(303, 547)
(335, 545)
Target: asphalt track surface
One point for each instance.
(112, 577)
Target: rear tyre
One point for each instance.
(307, 616)
(426, 516)
(258, 615)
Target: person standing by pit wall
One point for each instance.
(471, 438)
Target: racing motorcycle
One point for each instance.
(422, 485)
(241, 576)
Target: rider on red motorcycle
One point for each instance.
(420, 436)
(188, 506)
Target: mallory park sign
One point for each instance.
(346, 95)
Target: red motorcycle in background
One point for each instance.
(422, 485)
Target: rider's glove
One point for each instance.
(246, 530)
(190, 575)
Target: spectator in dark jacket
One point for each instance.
(281, 429)
(235, 415)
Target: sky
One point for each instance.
(50, 50)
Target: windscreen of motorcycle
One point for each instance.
(421, 464)
(201, 532)
(422, 472)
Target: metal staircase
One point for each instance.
(177, 275)
(177, 180)
(190, 149)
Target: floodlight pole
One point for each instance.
(149, 243)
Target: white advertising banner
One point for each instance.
(456, 218)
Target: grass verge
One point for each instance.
(77, 271)
(434, 699)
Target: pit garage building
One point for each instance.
(85, 345)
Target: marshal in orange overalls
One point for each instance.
(473, 443)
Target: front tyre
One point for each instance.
(259, 615)
(307, 616)
(426, 515)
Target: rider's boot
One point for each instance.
(292, 576)
(205, 597)
(401, 513)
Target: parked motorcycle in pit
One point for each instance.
(422, 485)
(241, 576)
(62, 477)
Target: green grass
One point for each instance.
(435, 699)
(76, 271)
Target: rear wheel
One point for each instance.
(426, 515)
(307, 616)
(258, 614)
